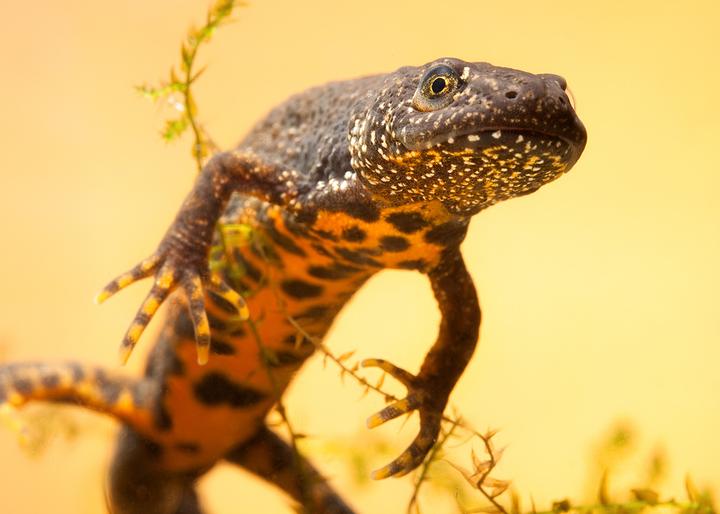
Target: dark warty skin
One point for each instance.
(338, 182)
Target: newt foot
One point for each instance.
(418, 398)
(173, 271)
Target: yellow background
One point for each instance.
(601, 292)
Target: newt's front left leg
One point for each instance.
(428, 391)
(181, 259)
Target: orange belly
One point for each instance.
(220, 405)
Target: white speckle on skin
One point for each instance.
(497, 134)
(465, 73)
(474, 137)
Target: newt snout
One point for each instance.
(522, 102)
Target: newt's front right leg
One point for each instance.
(181, 259)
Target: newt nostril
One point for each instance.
(511, 95)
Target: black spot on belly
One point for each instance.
(307, 216)
(321, 249)
(334, 271)
(188, 447)
(451, 233)
(326, 235)
(356, 257)
(283, 241)
(301, 289)
(296, 340)
(354, 234)
(237, 332)
(312, 313)
(407, 222)
(283, 358)
(216, 389)
(219, 347)
(394, 243)
(365, 211)
(215, 323)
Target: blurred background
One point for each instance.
(600, 292)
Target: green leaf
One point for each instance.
(237, 234)
(197, 75)
(216, 16)
(223, 8)
(174, 128)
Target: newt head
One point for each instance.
(466, 134)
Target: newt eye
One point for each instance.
(438, 86)
(436, 89)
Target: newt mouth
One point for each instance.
(518, 143)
